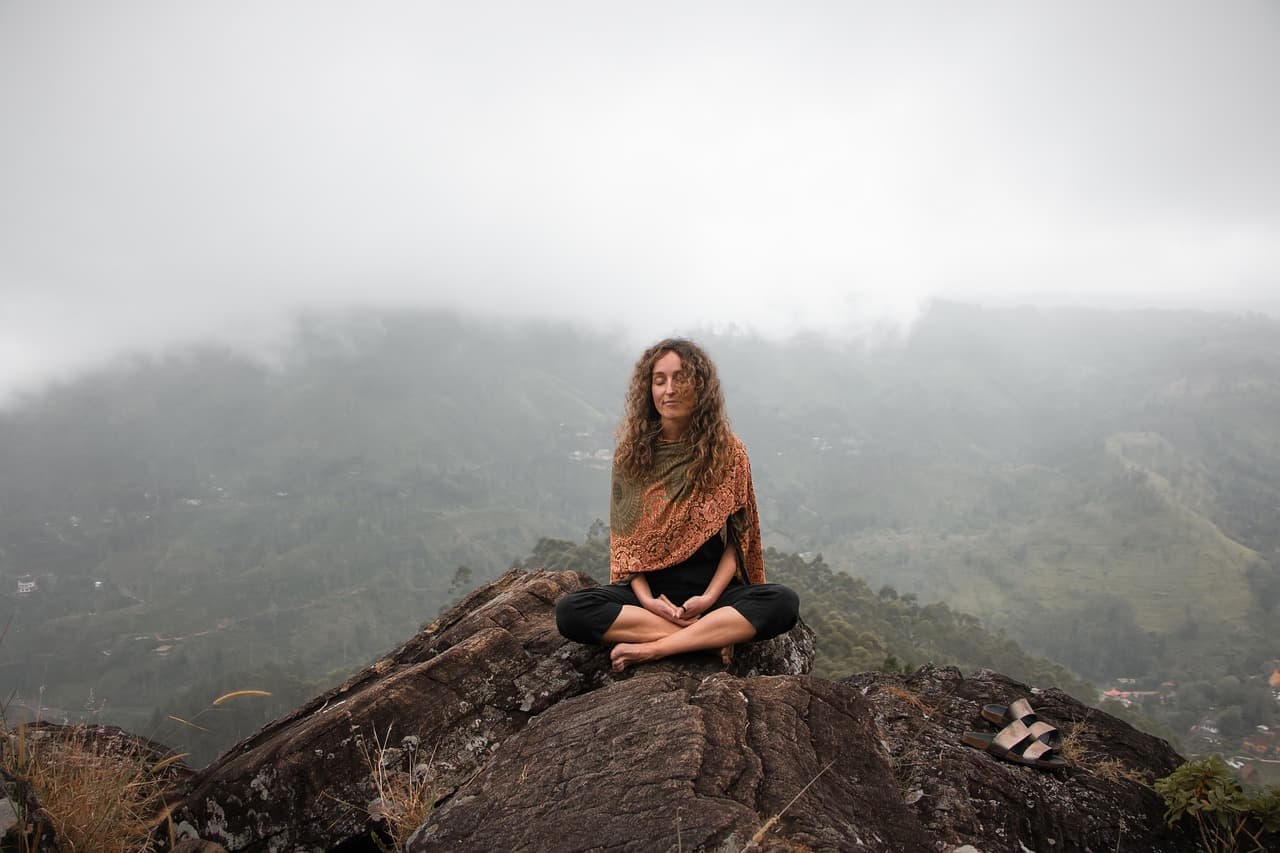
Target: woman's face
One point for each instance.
(673, 393)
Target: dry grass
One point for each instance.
(99, 792)
(906, 696)
(405, 788)
(1077, 754)
(1114, 770)
(1073, 748)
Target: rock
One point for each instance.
(21, 814)
(527, 741)
(24, 825)
(195, 845)
(459, 690)
(669, 762)
(8, 816)
(962, 795)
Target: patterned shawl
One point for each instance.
(663, 521)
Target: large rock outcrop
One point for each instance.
(666, 762)
(962, 795)
(531, 743)
(448, 699)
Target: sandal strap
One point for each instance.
(1042, 731)
(1038, 751)
(1020, 709)
(1010, 738)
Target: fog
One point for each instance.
(180, 172)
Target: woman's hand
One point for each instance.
(663, 607)
(694, 607)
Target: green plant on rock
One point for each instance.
(1225, 816)
(1266, 808)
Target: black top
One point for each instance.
(690, 577)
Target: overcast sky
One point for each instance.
(180, 170)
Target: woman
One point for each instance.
(685, 562)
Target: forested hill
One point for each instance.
(1103, 487)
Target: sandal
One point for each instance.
(1021, 711)
(1016, 743)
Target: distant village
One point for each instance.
(1261, 746)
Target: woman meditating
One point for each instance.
(685, 562)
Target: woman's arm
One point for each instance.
(725, 570)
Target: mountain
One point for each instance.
(1103, 488)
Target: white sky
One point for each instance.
(180, 170)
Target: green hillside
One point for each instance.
(1103, 488)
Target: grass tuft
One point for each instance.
(904, 695)
(1106, 767)
(405, 788)
(1072, 748)
(100, 791)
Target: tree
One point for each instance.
(461, 581)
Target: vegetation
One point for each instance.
(404, 781)
(1100, 487)
(1226, 818)
(94, 792)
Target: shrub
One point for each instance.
(1225, 816)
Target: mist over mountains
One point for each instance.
(1102, 487)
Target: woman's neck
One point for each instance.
(673, 430)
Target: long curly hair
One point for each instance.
(641, 424)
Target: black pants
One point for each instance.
(771, 608)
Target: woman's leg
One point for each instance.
(717, 629)
(609, 614)
(637, 625)
(771, 608)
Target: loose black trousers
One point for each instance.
(771, 608)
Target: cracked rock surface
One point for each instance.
(668, 762)
(1102, 801)
(449, 698)
(530, 742)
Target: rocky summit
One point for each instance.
(525, 741)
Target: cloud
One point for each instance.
(181, 172)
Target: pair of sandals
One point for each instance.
(1024, 738)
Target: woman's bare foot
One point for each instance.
(726, 655)
(625, 654)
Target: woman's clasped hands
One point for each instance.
(683, 615)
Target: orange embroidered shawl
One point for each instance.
(663, 521)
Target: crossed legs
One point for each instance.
(611, 615)
(641, 635)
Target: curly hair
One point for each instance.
(641, 424)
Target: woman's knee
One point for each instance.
(784, 611)
(567, 620)
(788, 605)
(574, 617)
